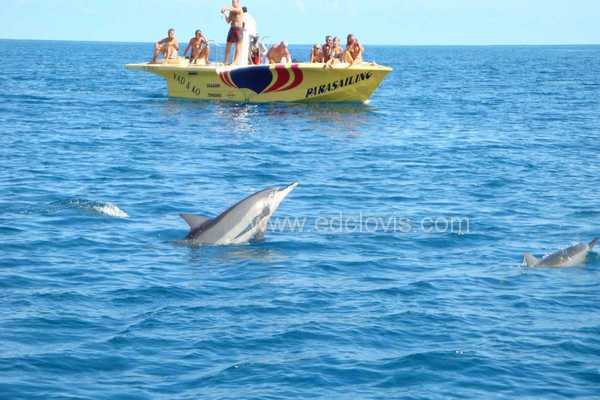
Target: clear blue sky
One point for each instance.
(404, 22)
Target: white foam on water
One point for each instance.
(111, 210)
(95, 207)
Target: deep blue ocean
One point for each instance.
(404, 280)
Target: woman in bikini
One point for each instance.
(354, 51)
(326, 48)
(336, 55)
(316, 55)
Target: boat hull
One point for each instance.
(270, 83)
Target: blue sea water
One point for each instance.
(476, 154)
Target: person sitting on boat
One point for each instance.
(200, 50)
(326, 48)
(336, 53)
(354, 51)
(279, 54)
(316, 55)
(168, 47)
(234, 17)
(257, 51)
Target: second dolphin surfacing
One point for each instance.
(571, 257)
(244, 222)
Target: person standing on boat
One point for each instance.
(249, 34)
(168, 47)
(200, 50)
(234, 16)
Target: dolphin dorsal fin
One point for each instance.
(530, 260)
(194, 221)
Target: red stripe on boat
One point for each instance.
(283, 76)
(223, 78)
(233, 85)
(298, 78)
(227, 79)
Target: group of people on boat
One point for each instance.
(241, 23)
(169, 48)
(331, 52)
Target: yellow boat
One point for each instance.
(302, 82)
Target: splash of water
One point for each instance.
(96, 207)
(111, 210)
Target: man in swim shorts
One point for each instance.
(200, 50)
(168, 47)
(234, 16)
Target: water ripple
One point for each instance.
(98, 300)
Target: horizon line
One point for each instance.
(310, 44)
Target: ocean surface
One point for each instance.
(398, 276)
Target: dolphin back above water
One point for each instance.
(571, 257)
(244, 222)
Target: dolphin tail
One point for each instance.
(594, 243)
(530, 260)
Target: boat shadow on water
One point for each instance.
(254, 118)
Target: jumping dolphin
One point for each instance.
(244, 222)
(571, 257)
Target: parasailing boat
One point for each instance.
(299, 82)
